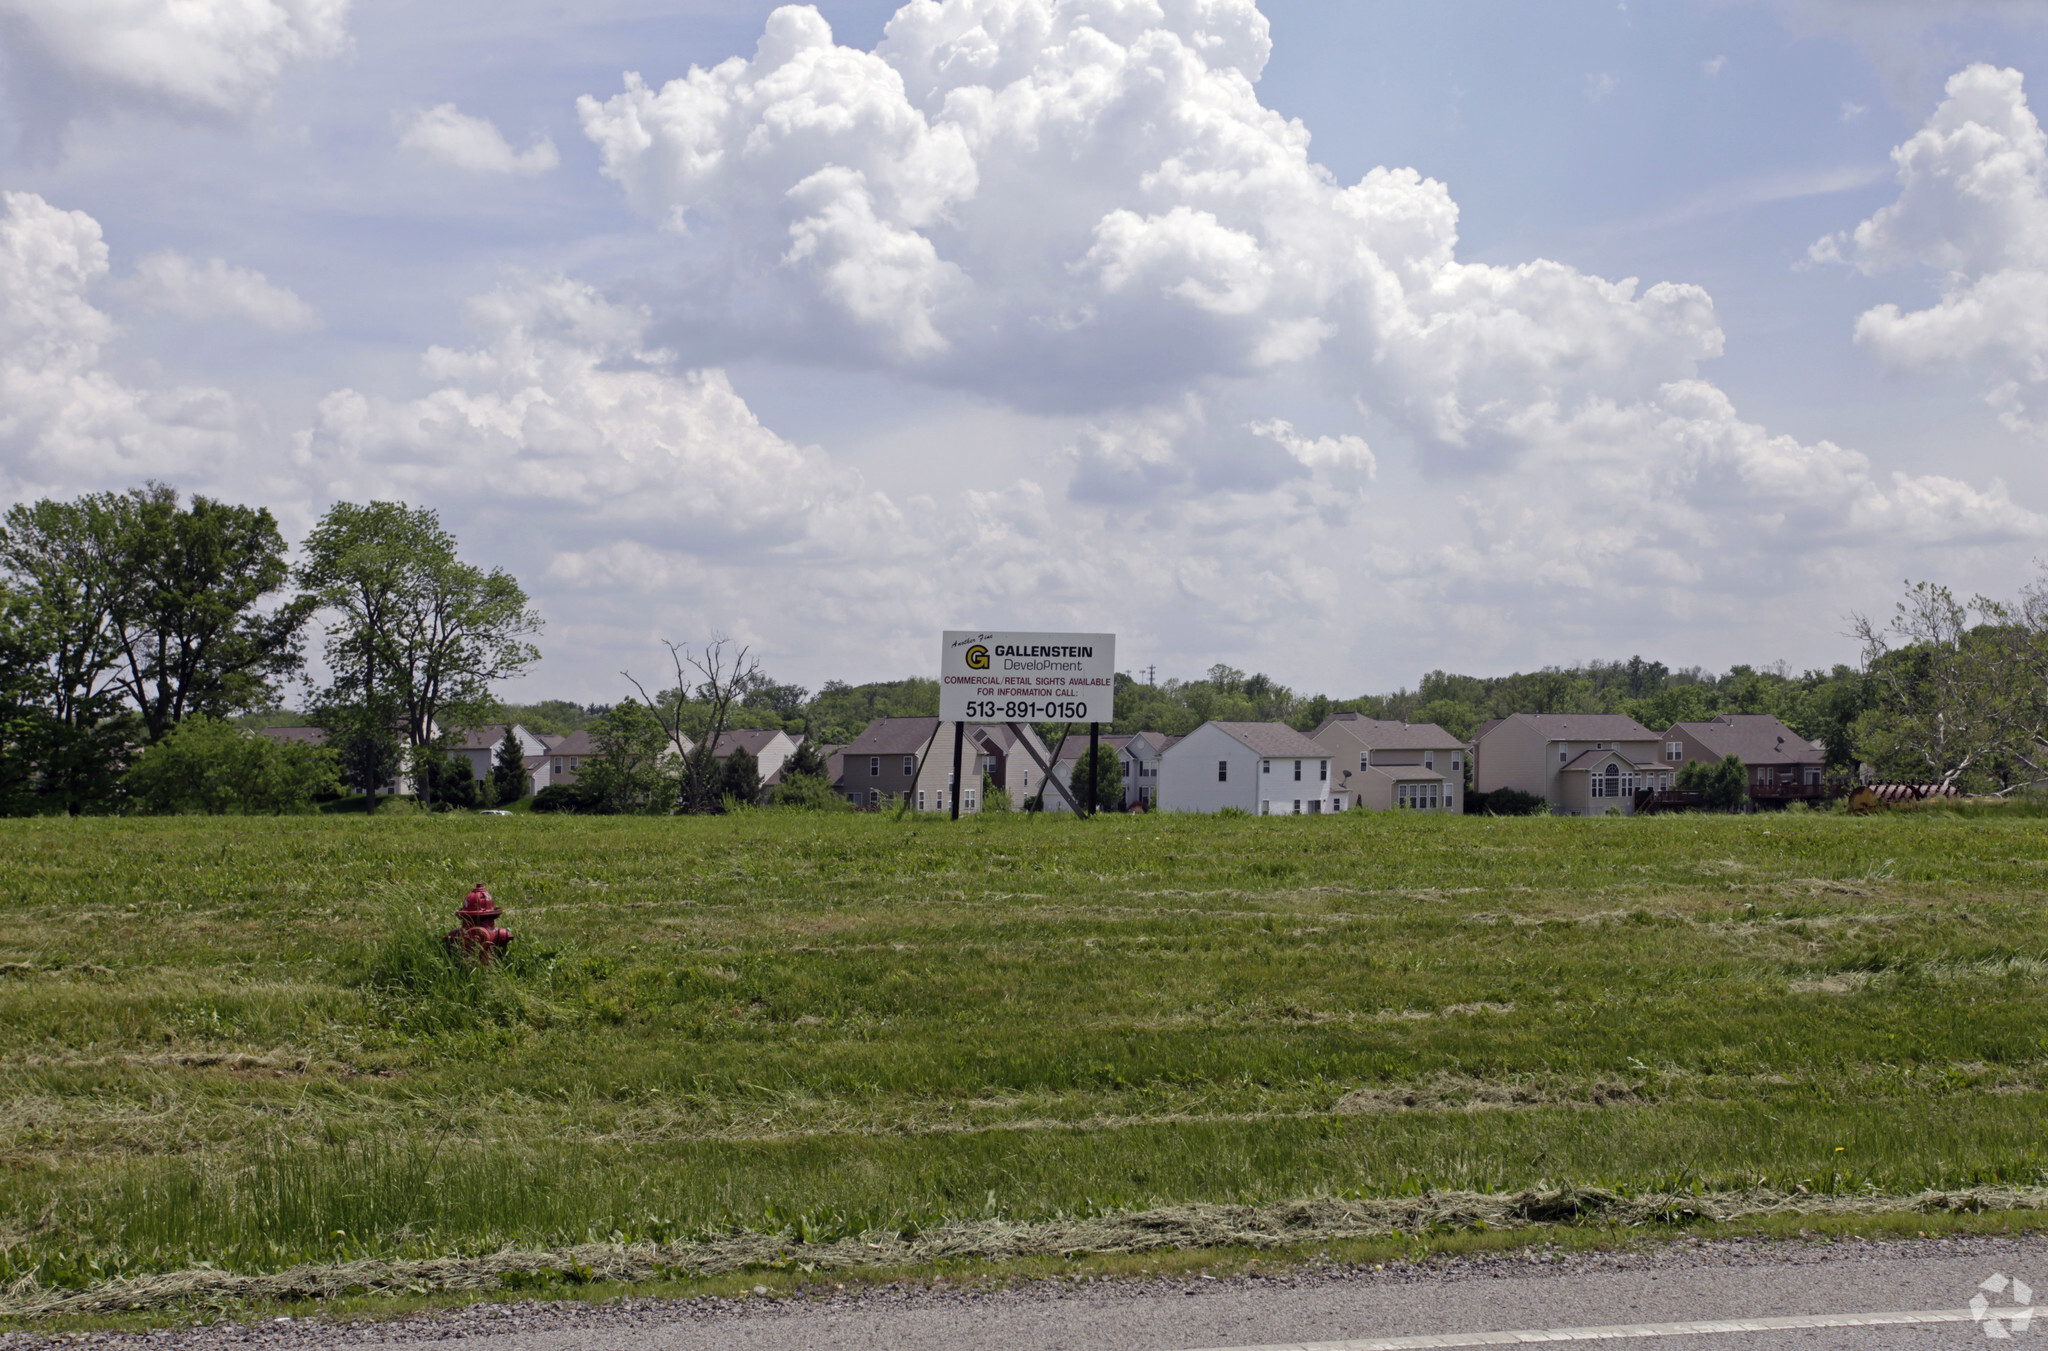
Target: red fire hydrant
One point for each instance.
(478, 936)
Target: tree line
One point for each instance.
(134, 627)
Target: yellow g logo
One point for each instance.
(977, 658)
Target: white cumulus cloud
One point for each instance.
(1087, 207)
(65, 421)
(1972, 206)
(474, 144)
(168, 282)
(191, 56)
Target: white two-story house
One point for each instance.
(1266, 768)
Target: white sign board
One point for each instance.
(1027, 677)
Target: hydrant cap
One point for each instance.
(479, 905)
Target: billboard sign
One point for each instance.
(1027, 677)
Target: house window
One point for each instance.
(1315, 806)
(1266, 807)
(1813, 776)
(1674, 750)
(1265, 766)
(988, 764)
(1365, 759)
(1027, 778)
(874, 766)
(1429, 759)
(1322, 771)
(558, 764)
(874, 797)
(1457, 763)
(1563, 754)
(1297, 771)
(1223, 771)
(1297, 806)
(1763, 774)
(967, 801)
(920, 799)
(909, 764)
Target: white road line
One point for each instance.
(1623, 1331)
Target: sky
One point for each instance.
(1340, 341)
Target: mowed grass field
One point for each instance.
(238, 1042)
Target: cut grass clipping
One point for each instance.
(236, 1063)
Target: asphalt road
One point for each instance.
(1530, 1292)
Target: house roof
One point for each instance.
(1758, 738)
(1385, 734)
(1586, 727)
(296, 736)
(486, 738)
(577, 742)
(1589, 759)
(752, 740)
(893, 736)
(1077, 745)
(1273, 739)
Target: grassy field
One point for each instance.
(238, 1042)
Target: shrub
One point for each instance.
(565, 797)
(994, 797)
(1722, 787)
(215, 768)
(1505, 802)
(808, 792)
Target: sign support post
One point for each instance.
(1094, 768)
(959, 739)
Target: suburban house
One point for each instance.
(1781, 765)
(564, 760)
(478, 746)
(1582, 764)
(897, 756)
(1266, 768)
(1382, 765)
(771, 750)
(1137, 753)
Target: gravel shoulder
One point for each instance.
(1530, 1288)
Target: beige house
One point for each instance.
(1582, 764)
(564, 759)
(1382, 765)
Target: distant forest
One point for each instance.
(1822, 705)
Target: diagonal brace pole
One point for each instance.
(1044, 768)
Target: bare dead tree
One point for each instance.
(724, 673)
(1936, 691)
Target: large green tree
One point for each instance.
(414, 632)
(62, 574)
(188, 610)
